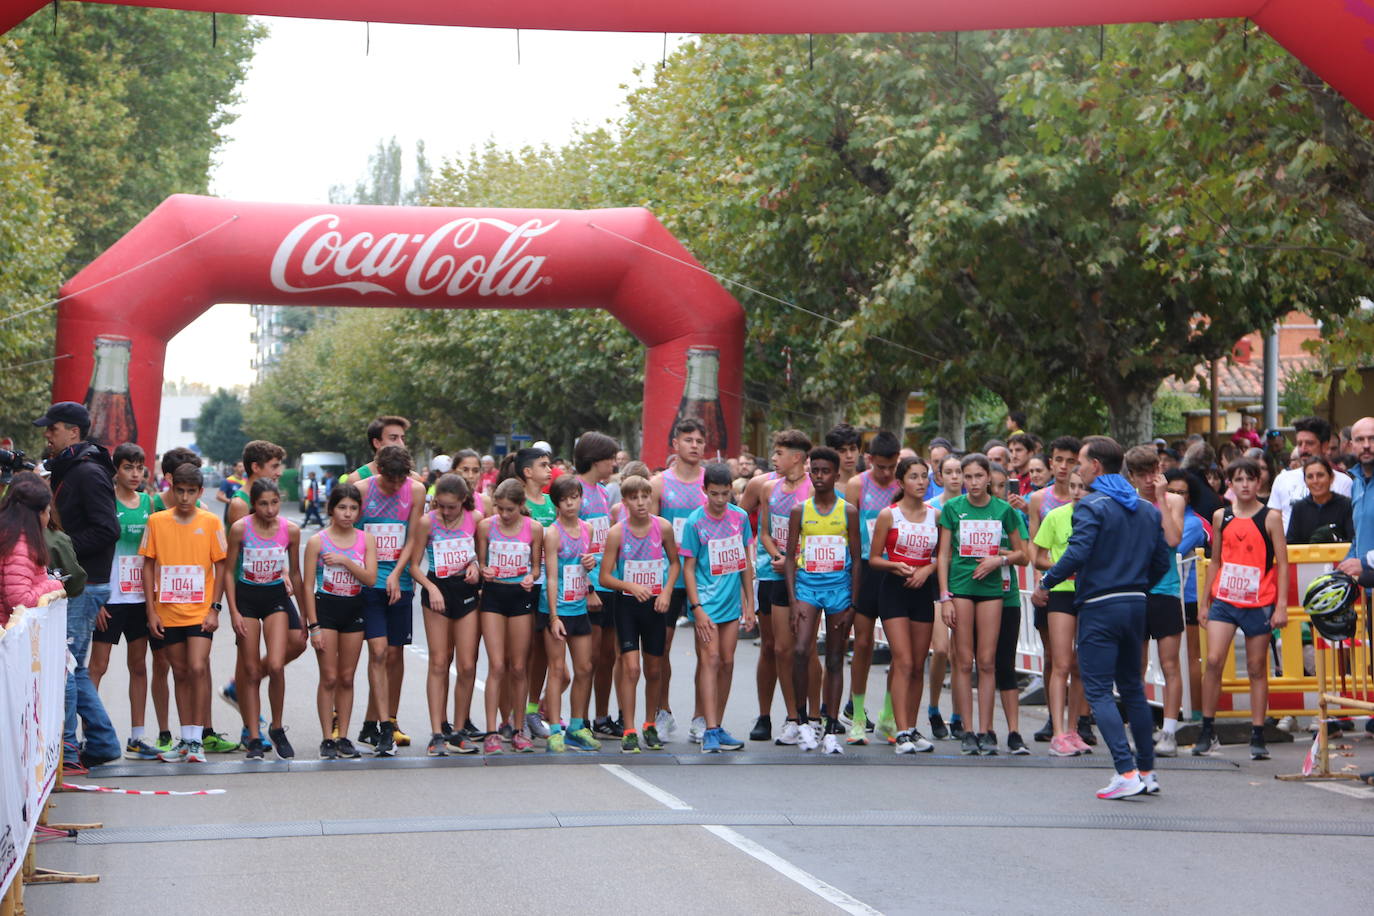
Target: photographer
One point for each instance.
(83, 497)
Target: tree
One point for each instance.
(219, 427)
(384, 181)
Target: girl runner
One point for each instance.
(340, 561)
(1005, 659)
(510, 545)
(263, 551)
(970, 564)
(951, 481)
(468, 464)
(569, 559)
(1059, 619)
(449, 597)
(905, 536)
(533, 468)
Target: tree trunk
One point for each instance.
(1132, 416)
(953, 415)
(892, 415)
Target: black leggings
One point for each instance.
(1007, 635)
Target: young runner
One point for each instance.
(183, 553)
(791, 487)
(393, 503)
(126, 612)
(594, 459)
(641, 562)
(824, 533)
(340, 561)
(871, 492)
(971, 592)
(1007, 686)
(901, 548)
(469, 465)
(263, 551)
(510, 545)
(677, 493)
(449, 594)
(569, 558)
(1246, 589)
(951, 478)
(381, 432)
(1059, 619)
(844, 439)
(720, 592)
(1197, 532)
(766, 670)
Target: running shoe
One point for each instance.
(608, 727)
(195, 752)
(1206, 745)
(1076, 740)
(651, 739)
(665, 723)
(987, 744)
(968, 744)
(176, 753)
(1122, 787)
(438, 747)
(400, 737)
(229, 693)
(1166, 745)
(535, 726)
(790, 735)
(728, 742)
(1257, 749)
(1016, 746)
(856, 736)
(956, 730)
(346, 749)
(520, 744)
(1085, 731)
(216, 743)
(492, 744)
(808, 736)
(369, 734)
(329, 749)
(556, 744)
(279, 743)
(697, 730)
(386, 743)
(460, 745)
(1046, 732)
(938, 729)
(629, 744)
(138, 749)
(506, 733)
(257, 749)
(904, 743)
(887, 727)
(832, 745)
(164, 742)
(471, 732)
(1063, 746)
(1151, 782)
(710, 741)
(583, 740)
(922, 745)
(847, 714)
(762, 730)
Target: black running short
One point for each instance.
(915, 604)
(171, 636)
(573, 625)
(336, 612)
(870, 583)
(1059, 603)
(638, 627)
(508, 599)
(260, 601)
(1164, 616)
(605, 615)
(773, 593)
(127, 620)
(460, 597)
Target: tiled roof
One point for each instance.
(1240, 382)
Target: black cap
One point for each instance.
(68, 412)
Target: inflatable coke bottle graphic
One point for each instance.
(701, 399)
(112, 413)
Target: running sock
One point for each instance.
(930, 710)
(136, 733)
(859, 709)
(531, 708)
(1208, 723)
(204, 732)
(648, 725)
(555, 728)
(191, 733)
(629, 731)
(1170, 726)
(1257, 733)
(956, 719)
(577, 724)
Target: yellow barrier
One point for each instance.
(1291, 693)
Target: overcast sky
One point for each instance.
(318, 99)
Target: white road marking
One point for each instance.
(805, 879)
(1350, 789)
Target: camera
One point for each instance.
(12, 461)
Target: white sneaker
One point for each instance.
(697, 729)
(905, 745)
(1287, 724)
(665, 723)
(1166, 745)
(1122, 787)
(790, 735)
(922, 745)
(832, 745)
(1151, 783)
(806, 737)
(535, 727)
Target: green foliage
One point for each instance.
(219, 427)
(383, 182)
(1171, 412)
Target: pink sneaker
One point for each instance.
(1062, 746)
(1078, 742)
(520, 743)
(492, 744)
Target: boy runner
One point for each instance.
(381, 432)
(844, 439)
(594, 460)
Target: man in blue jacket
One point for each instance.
(1117, 552)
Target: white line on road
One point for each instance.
(1344, 788)
(805, 879)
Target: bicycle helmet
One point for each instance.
(1330, 603)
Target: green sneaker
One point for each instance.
(887, 728)
(554, 743)
(651, 742)
(583, 740)
(215, 743)
(629, 744)
(164, 742)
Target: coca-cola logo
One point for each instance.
(316, 255)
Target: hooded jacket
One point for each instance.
(1117, 544)
(83, 494)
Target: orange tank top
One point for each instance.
(1248, 576)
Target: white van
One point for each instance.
(335, 463)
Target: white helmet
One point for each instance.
(441, 464)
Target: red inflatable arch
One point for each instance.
(415, 257)
(1333, 37)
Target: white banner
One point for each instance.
(33, 674)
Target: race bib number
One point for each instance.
(915, 543)
(824, 553)
(131, 575)
(511, 559)
(337, 580)
(452, 556)
(181, 585)
(263, 564)
(574, 582)
(869, 525)
(648, 573)
(777, 527)
(679, 526)
(601, 526)
(390, 537)
(1240, 584)
(979, 537)
(726, 555)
